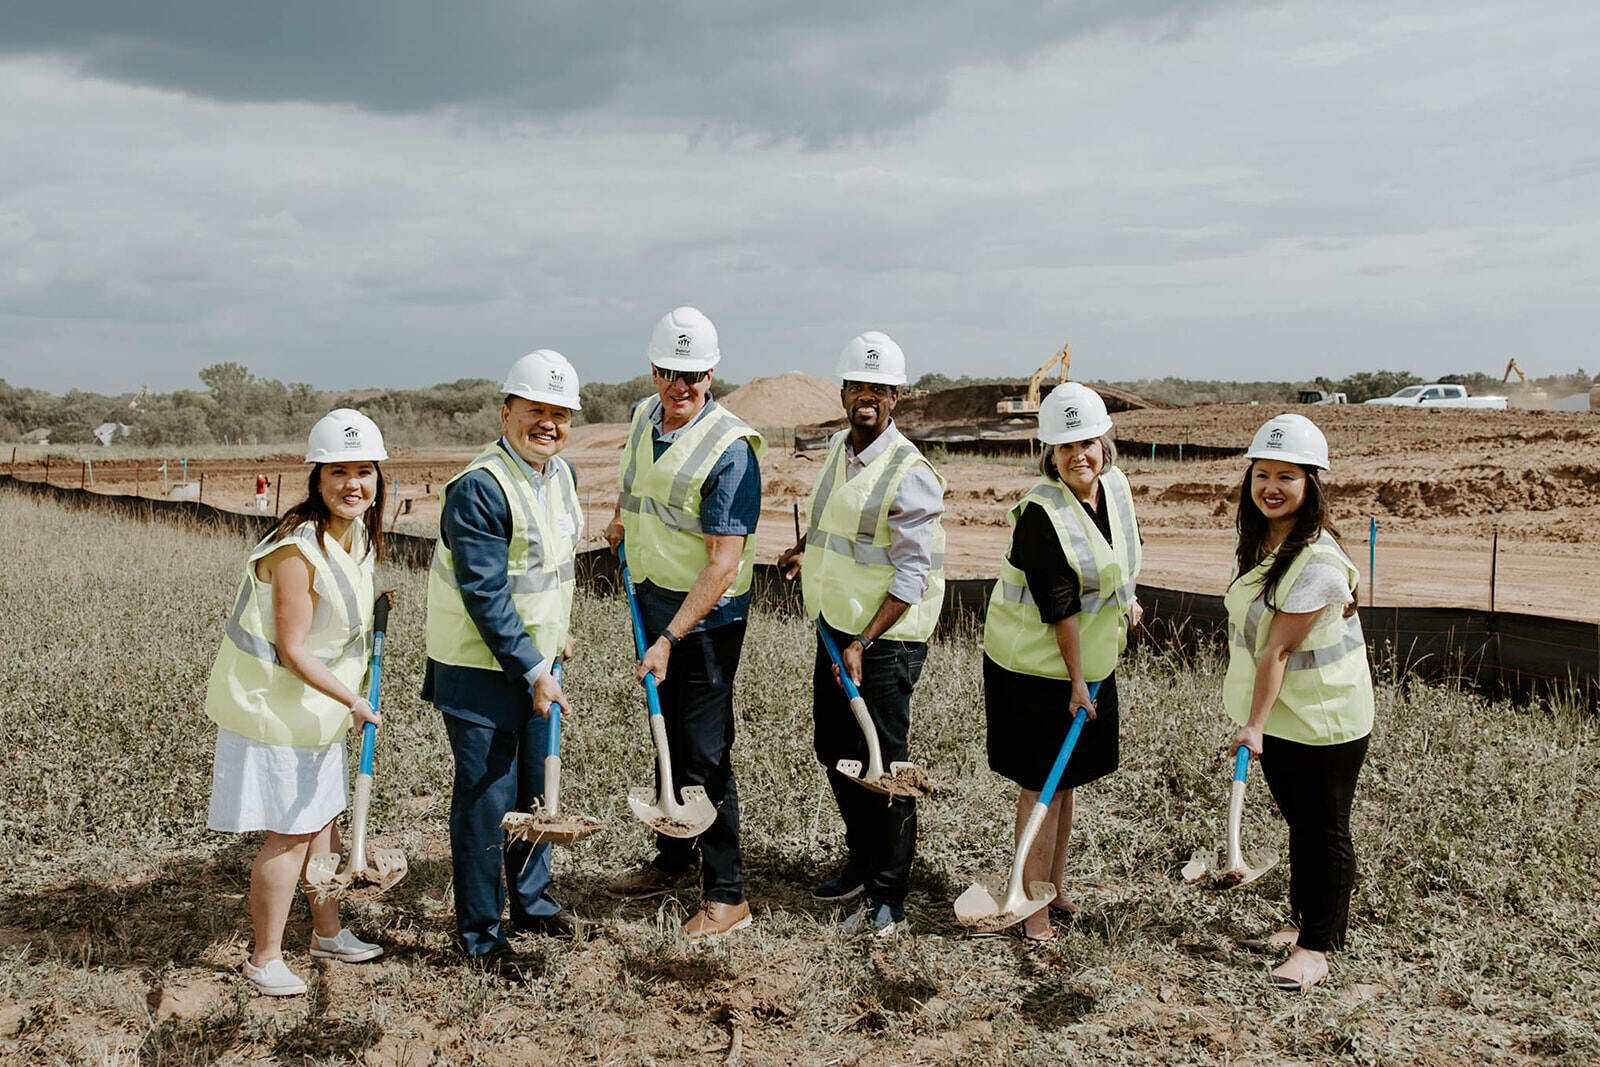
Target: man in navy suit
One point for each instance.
(499, 607)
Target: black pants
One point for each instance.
(880, 833)
(697, 706)
(1314, 785)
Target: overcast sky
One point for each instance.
(403, 192)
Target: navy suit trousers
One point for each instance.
(497, 770)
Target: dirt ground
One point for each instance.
(1439, 483)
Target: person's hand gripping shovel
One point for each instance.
(660, 808)
(1242, 867)
(990, 905)
(386, 866)
(545, 823)
(902, 779)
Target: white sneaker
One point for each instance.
(344, 947)
(275, 979)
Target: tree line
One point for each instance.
(238, 407)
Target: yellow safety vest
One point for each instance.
(847, 570)
(250, 691)
(539, 564)
(660, 498)
(1107, 574)
(1326, 697)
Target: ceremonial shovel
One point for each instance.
(1241, 868)
(545, 823)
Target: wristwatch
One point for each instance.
(863, 641)
(672, 638)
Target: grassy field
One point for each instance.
(1475, 928)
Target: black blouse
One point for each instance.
(1036, 551)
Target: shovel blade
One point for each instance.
(538, 829)
(385, 868)
(690, 819)
(900, 780)
(988, 906)
(1200, 864)
(323, 879)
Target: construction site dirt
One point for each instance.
(1443, 487)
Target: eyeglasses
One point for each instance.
(688, 377)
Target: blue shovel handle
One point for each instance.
(1241, 764)
(638, 631)
(1048, 793)
(369, 732)
(553, 747)
(850, 690)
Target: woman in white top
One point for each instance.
(286, 686)
(1298, 683)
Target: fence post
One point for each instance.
(1494, 561)
(83, 475)
(13, 470)
(200, 498)
(90, 463)
(138, 483)
(277, 497)
(1372, 561)
(47, 468)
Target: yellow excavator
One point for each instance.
(1028, 403)
(1530, 393)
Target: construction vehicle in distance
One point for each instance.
(1530, 393)
(1028, 403)
(1322, 396)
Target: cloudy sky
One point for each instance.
(408, 191)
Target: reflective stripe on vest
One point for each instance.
(660, 498)
(1326, 697)
(1108, 574)
(540, 571)
(250, 691)
(847, 569)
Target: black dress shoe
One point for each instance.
(563, 924)
(506, 964)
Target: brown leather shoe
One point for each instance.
(716, 918)
(648, 881)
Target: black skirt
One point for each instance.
(1027, 722)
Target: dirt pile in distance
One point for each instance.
(787, 400)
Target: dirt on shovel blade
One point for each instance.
(670, 826)
(536, 829)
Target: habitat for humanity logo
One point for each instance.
(1071, 415)
(558, 380)
(1275, 438)
(872, 359)
(352, 437)
(683, 344)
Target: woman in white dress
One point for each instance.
(287, 685)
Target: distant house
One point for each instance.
(107, 432)
(41, 436)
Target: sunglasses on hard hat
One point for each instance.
(688, 377)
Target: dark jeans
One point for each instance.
(880, 833)
(496, 771)
(697, 706)
(1314, 786)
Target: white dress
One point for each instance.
(283, 788)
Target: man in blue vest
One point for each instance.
(499, 604)
(689, 502)
(874, 576)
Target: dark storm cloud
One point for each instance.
(818, 73)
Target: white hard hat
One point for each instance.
(545, 376)
(1072, 412)
(1292, 439)
(684, 339)
(344, 436)
(873, 357)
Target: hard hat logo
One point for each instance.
(684, 344)
(1070, 416)
(872, 357)
(558, 380)
(1275, 438)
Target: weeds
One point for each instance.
(1474, 932)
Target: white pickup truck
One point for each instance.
(1439, 395)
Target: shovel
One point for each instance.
(989, 905)
(387, 865)
(659, 808)
(545, 823)
(1242, 868)
(903, 779)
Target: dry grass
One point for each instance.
(1475, 937)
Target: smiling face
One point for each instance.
(1079, 465)
(348, 489)
(869, 405)
(681, 400)
(1277, 489)
(534, 429)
